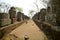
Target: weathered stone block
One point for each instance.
(4, 22)
(4, 15)
(12, 12)
(13, 20)
(19, 16)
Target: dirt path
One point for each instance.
(28, 29)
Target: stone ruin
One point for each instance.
(20, 16)
(4, 19)
(54, 11)
(40, 16)
(12, 13)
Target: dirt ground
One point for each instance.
(27, 30)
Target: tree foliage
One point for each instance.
(19, 9)
(43, 2)
(36, 5)
(32, 11)
(5, 7)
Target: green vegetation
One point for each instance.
(19, 9)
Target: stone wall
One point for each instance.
(4, 19)
(4, 16)
(50, 17)
(54, 11)
(26, 17)
(40, 16)
(19, 16)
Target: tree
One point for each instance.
(19, 9)
(43, 2)
(0, 7)
(5, 7)
(31, 13)
(36, 5)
